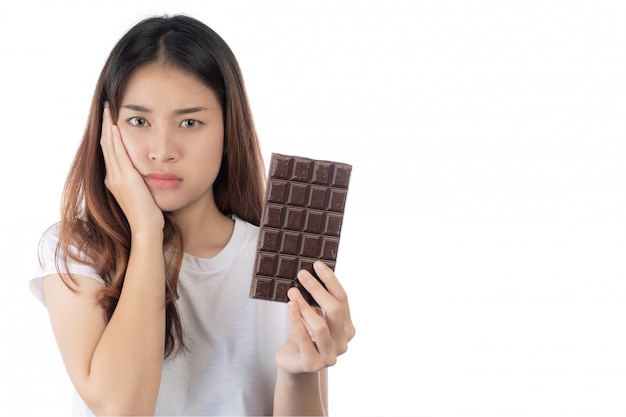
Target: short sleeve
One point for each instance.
(47, 264)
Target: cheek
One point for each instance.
(134, 146)
(210, 157)
(206, 159)
(210, 148)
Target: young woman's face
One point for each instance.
(172, 126)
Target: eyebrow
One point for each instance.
(143, 109)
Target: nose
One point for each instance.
(162, 149)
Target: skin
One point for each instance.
(171, 122)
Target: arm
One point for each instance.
(116, 366)
(317, 338)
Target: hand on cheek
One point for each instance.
(125, 182)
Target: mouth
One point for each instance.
(163, 180)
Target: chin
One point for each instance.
(168, 207)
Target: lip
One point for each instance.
(163, 179)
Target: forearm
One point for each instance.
(301, 394)
(126, 367)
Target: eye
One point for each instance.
(138, 122)
(189, 123)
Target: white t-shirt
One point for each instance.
(232, 339)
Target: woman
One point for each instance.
(146, 276)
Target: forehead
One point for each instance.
(167, 85)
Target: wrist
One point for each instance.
(291, 379)
(147, 235)
(300, 393)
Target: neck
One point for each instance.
(205, 230)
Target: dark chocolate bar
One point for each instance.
(301, 223)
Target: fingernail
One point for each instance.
(303, 276)
(293, 293)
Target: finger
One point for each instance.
(330, 280)
(321, 295)
(334, 287)
(116, 154)
(295, 296)
(298, 327)
(336, 308)
(315, 326)
(121, 155)
(106, 143)
(330, 295)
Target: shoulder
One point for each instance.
(46, 256)
(247, 226)
(246, 233)
(49, 247)
(49, 242)
(52, 260)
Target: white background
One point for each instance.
(485, 232)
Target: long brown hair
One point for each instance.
(94, 229)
